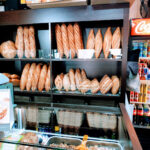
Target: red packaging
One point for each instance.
(136, 96)
(131, 96)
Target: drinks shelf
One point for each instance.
(140, 103)
(141, 127)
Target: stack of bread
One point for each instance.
(77, 80)
(13, 78)
(35, 76)
(69, 39)
(98, 43)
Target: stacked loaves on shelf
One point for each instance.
(77, 80)
(13, 78)
(69, 40)
(35, 76)
(24, 45)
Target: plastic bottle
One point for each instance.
(140, 115)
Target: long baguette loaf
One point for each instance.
(85, 85)
(26, 42)
(66, 82)
(65, 40)
(30, 76)
(32, 42)
(83, 74)
(24, 76)
(78, 78)
(116, 84)
(90, 40)
(36, 77)
(98, 43)
(105, 84)
(95, 86)
(72, 80)
(48, 83)
(107, 42)
(20, 42)
(116, 38)
(42, 79)
(59, 81)
(71, 40)
(58, 34)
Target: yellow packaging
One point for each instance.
(141, 88)
(140, 97)
(145, 89)
(145, 98)
(23, 1)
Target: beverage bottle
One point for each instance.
(140, 115)
(146, 115)
(135, 115)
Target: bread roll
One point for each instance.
(116, 38)
(83, 74)
(90, 40)
(78, 37)
(30, 76)
(7, 75)
(72, 80)
(16, 42)
(26, 42)
(94, 86)
(66, 82)
(107, 42)
(42, 79)
(65, 40)
(48, 83)
(32, 42)
(105, 84)
(98, 43)
(24, 76)
(36, 77)
(20, 42)
(78, 78)
(85, 86)
(71, 40)
(15, 82)
(59, 40)
(8, 49)
(116, 84)
(14, 76)
(59, 81)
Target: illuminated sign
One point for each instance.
(140, 27)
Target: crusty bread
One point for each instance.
(72, 80)
(91, 40)
(116, 84)
(94, 86)
(48, 83)
(59, 81)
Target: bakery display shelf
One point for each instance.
(140, 38)
(58, 3)
(17, 91)
(26, 59)
(93, 59)
(140, 103)
(87, 94)
(141, 127)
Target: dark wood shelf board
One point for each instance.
(141, 127)
(140, 37)
(26, 59)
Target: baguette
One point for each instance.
(58, 34)
(15, 82)
(95, 86)
(78, 78)
(83, 74)
(26, 42)
(14, 76)
(66, 82)
(72, 80)
(36, 77)
(48, 83)
(24, 76)
(59, 81)
(42, 78)
(85, 85)
(116, 84)
(116, 39)
(30, 76)
(90, 40)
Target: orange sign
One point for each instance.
(140, 27)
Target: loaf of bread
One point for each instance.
(8, 49)
(59, 40)
(105, 84)
(59, 81)
(66, 82)
(78, 78)
(65, 40)
(116, 38)
(116, 84)
(71, 40)
(16, 42)
(30, 76)
(24, 76)
(98, 43)
(107, 42)
(85, 85)
(72, 80)
(8, 75)
(20, 42)
(15, 82)
(14, 76)
(48, 83)
(26, 42)
(91, 40)
(83, 74)
(42, 78)
(95, 86)
(78, 37)
(32, 42)
(36, 76)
